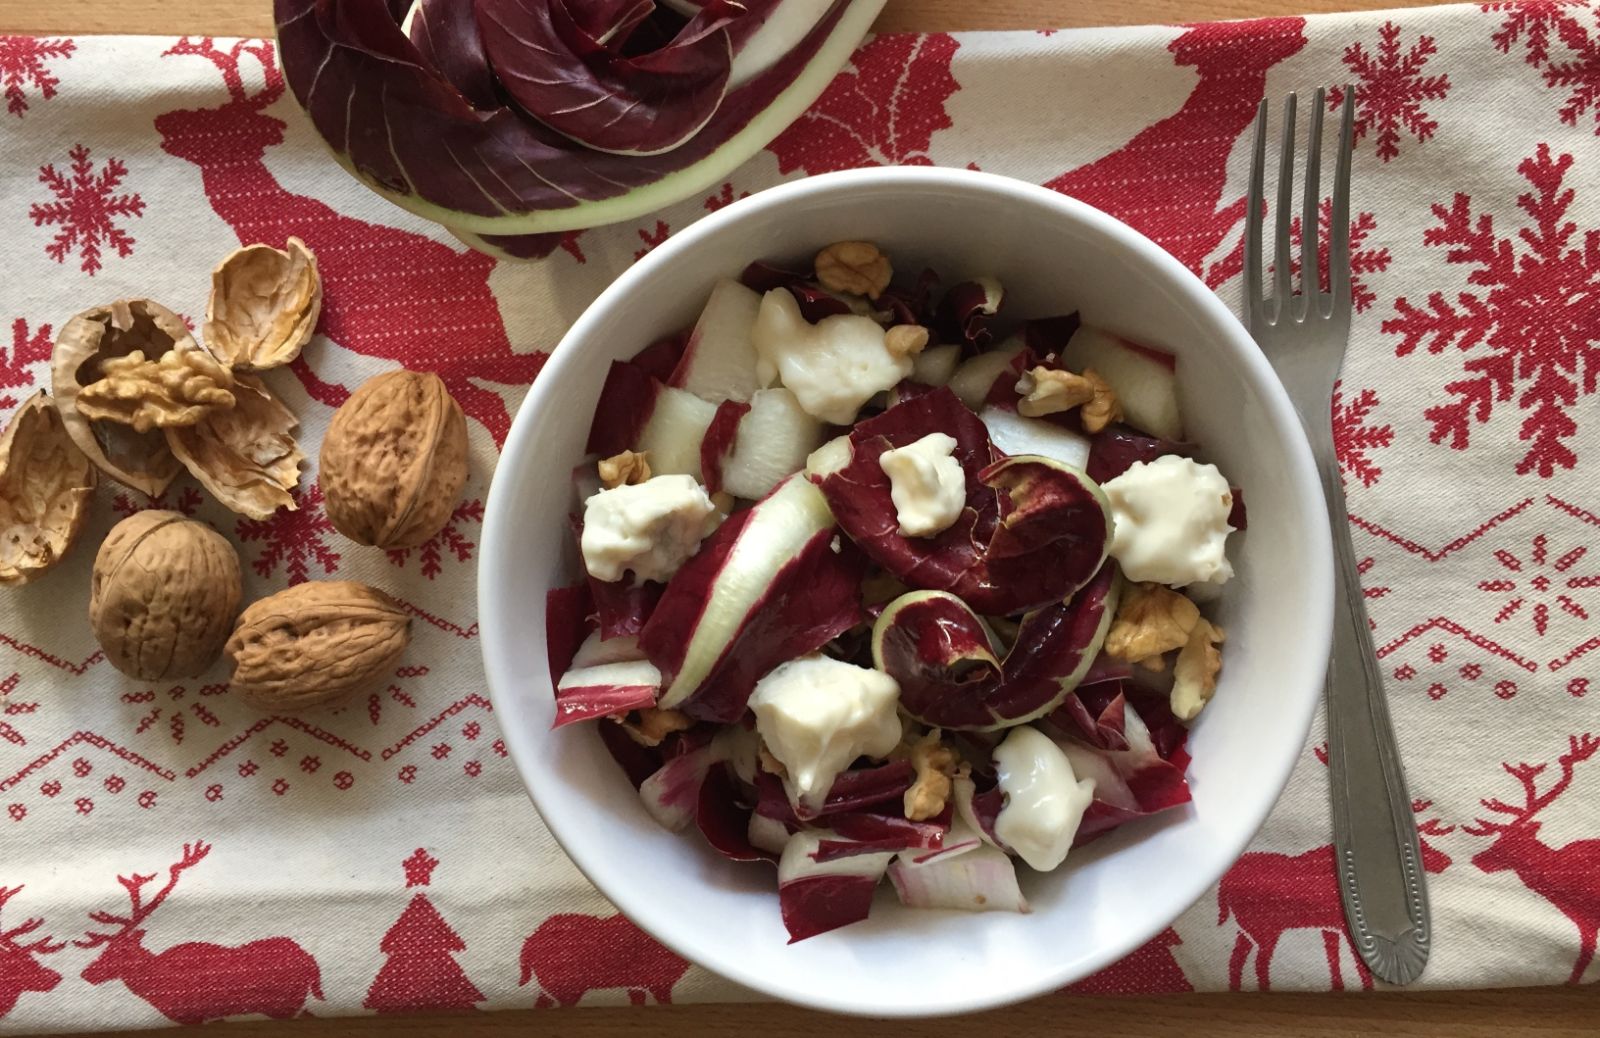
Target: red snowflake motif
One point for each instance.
(1391, 89)
(214, 792)
(1369, 590)
(343, 780)
(23, 63)
(1472, 671)
(882, 111)
(1534, 22)
(248, 768)
(86, 210)
(441, 750)
(27, 351)
(723, 198)
(1364, 259)
(280, 786)
(472, 768)
(407, 774)
(186, 502)
(17, 812)
(309, 764)
(471, 730)
(82, 768)
(1355, 436)
(278, 748)
(147, 799)
(449, 538)
(652, 238)
(1505, 689)
(1542, 581)
(84, 805)
(1578, 687)
(1540, 318)
(115, 784)
(292, 539)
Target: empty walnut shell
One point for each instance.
(164, 596)
(246, 455)
(45, 487)
(264, 305)
(139, 459)
(316, 643)
(394, 460)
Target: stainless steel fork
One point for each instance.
(1377, 856)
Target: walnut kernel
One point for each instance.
(175, 389)
(1151, 619)
(1050, 391)
(1104, 408)
(624, 469)
(1194, 676)
(856, 267)
(906, 340)
(935, 764)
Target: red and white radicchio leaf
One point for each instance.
(1033, 530)
(940, 653)
(816, 897)
(507, 118)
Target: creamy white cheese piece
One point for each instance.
(926, 484)
(1171, 521)
(817, 715)
(1044, 799)
(651, 528)
(833, 367)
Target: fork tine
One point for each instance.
(1253, 310)
(1339, 229)
(1310, 232)
(1282, 282)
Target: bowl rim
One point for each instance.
(1300, 470)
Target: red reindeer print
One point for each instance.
(1269, 894)
(1568, 877)
(385, 289)
(1168, 180)
(195, 982)
(571, 955)
(20, 971)
(881, 111)
(1150, 969)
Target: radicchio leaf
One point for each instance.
(816, 897)
(815, 302)
(1033, 531)
(1145, 777)
(405, 118)
(618, 607)
(1238, 518)
(446, 35)
(720, 439)
(637, 761)
(967, 310)
(660, 359)
(1114, 449)
(724, 820)
(568, 620)
(855, 790)
(937, 649)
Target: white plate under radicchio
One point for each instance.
(881, 583)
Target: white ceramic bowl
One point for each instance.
(1053, 254)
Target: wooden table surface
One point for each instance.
(1480, 1014)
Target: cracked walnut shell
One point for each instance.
(46, 485)
(264, 305)
(316, 643)
(164, 594)
(176, 389)
(140, 460)
(247, 455)
(394, 460)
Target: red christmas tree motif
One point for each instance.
(1364, 259)
(449, 538)
(197, 981)
(1139, 184)
(651, 239)
(1566, 876)
(24, 62)
(571, 955)
(1150, 969)
(1391, 89)
(421, 972)
(1547, 575)
(1269, 894)
(723, 198)
(186, 501)
(881, 111)
(292, 539)
(1533, 21)
(381, 284)
(20, 972)
(17, 363)
(86, 209)
(1540, 319)
(1355, 436)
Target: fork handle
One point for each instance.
(1377, 854)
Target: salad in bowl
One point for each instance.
(883, 581)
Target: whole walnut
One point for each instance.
(165, 592)
(394, 460)
(316, 643)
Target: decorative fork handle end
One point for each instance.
(1376, 846)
